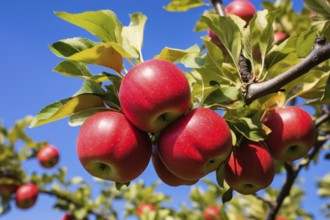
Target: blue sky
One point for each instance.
(28, 82)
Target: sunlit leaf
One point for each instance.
(135, 31)
(189, 57)
(65, 108)
(305, 43)
(104, 24)
(230, 36)
(183, 5)
(104, 54)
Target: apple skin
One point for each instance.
(293, 133)
(250, 167)
(143, 208)
(164, 174)
(241, 8)
(153, 94)
(10, 187)
(211, 213)
(279, 37)
(26, 195)
(111, 148)
(48, 156)
(196, 144)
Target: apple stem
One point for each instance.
(218, 6)
(319, 54)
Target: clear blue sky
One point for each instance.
(28, 83)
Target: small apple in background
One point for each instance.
(164, 174)
(293, 133)
(111, 148)
(241, 8)
(145, 208)
(48, 156)
(196, 144)
(280, 218)
(26, 195)
(68, 216)
(250, 167)
(279, 37)
(211, 213)
(8, 185)
(153, 94)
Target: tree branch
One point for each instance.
(320, 53)
(63, 197)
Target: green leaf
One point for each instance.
(305, 43)
(104, 24)
(72, 68)
(183, 5)
(133, 33)
(227, 196)
(309, 86)
(225, 97)
(220, 175)
(230, 36)
(250, 128)
(77, 119)
(68, 47)
(189, 57)
(65, 108)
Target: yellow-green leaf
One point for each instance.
(104, 24)
(183, 5)
(104, 54)
(65, 108)
(133, 34)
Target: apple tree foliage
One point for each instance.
(293, 72)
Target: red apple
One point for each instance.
(196, 144)
(280, 218)
(250, 167)
(164, 174)
(293, 133)
(68, 216)
(110, 147)
(48, 156)
(279, 37)
(26, 195)
(8, 185)
(144, 208)
(241, 8)
(211, 213)
(153, 94)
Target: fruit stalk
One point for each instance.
(320, 53)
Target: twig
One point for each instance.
(63, 197)
(320, 53)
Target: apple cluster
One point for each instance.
(155, 98)
(26, 194)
